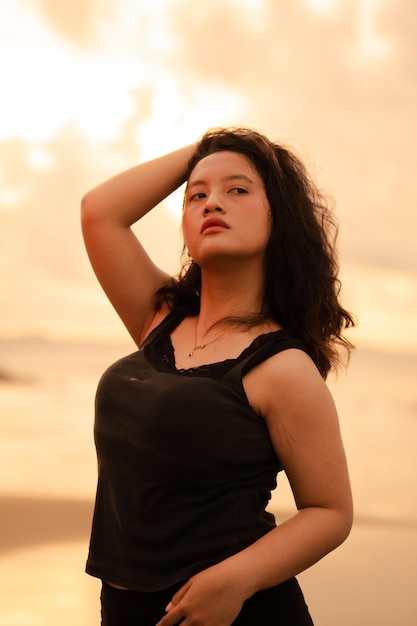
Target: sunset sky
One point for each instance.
(90, 87)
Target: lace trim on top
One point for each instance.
(159, 351)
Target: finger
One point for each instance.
(177, 597)
(174, 615)
(172, 619)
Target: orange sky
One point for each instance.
(90, 87)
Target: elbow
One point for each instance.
(88, 208)
(343, 525)
(93, 214)
(344, 532)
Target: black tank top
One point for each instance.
(185, 465)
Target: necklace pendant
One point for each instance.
(196, 347)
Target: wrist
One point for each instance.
(234, 573)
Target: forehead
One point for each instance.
(224, 164)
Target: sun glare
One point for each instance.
(50, 83)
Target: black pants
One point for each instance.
(282, 605)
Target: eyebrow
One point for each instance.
(232, 177)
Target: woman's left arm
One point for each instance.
(301, 417)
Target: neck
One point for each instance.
(229, 295)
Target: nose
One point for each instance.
(212, 205)
(208, 210)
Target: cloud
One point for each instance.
(75, 21)
(48, 285)
(398, 21)
(118, 82)
(322, 84)
(45, 219)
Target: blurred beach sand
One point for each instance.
(369, 581)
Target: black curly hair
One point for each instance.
(302, 288)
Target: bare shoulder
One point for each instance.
(289, 393)
(284, 382)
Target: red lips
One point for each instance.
(213, 222)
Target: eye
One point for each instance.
(198, 196)
(238, 190)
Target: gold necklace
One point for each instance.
(196, 347)
(199, 346)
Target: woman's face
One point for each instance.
(226, 210)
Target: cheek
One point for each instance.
(267, 219)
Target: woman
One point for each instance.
(225, 390)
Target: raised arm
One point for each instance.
(125, 271)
